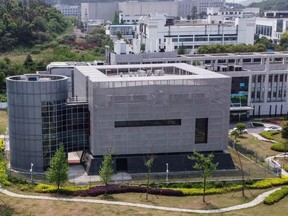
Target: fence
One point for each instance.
(259, 159)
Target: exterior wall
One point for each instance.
(209, 98)
(68, 10)
(25, 99)
(145, 8)
(246, 30)
(138, 58)
(176, 162)
(101, 10)
(185, 7)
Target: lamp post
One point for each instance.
(31, 171)
(167, 172)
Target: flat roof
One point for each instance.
(95, 73)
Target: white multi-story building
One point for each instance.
(69, 10)
(129, 19)
(155, 31)
(232, 13)
(272, 28)
(127, 31)
(276, 14)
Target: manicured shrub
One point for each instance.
(25, 187)
(266, 183)
(199, 191)
(1, 145)
(276, 196)
(278, 146)
(44, 188)
(68, 190)
(268, 134)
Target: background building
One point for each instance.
(155, 31)
(259, 80)
(180, 8)
(69, 10)
(271, 28)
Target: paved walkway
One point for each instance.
(254, 202)
(261, 138)
(272, 162)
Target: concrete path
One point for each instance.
(262, 138)
(272, 162)
(254, 202)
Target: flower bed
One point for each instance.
(115, 189)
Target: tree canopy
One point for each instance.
(271, 5)
(284, 40)
(25, 25)
(230, 48)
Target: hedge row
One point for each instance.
(69, 190)
(276, 196)
(115, 189)
(177, 185)
(209, 191)
(266, 183)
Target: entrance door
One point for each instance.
(121, 165)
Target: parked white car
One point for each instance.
(273, 129)
(240, 132)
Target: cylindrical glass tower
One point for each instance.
(34, 101)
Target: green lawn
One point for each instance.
(3, 121)
(44, 207)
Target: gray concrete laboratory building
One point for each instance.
(135, 111)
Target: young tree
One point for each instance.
(116, 20)
(234, 134)
(194, 13)
(119, 35)
(58, 171)
(241, 127)
(106, 170)
(206, 165)
(182, 50)
(148, 164)
(284, 135)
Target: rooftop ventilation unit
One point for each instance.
(141, 73)
(159, 72)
